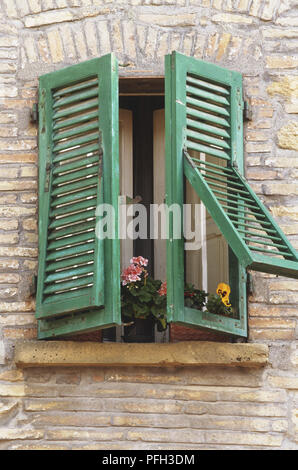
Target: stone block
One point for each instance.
(288, 136)
(65, 353)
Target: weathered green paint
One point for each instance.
(81, 322)
(109, 126)
(174, 141)
(211, 321)
(99, 305)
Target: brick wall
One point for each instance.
(170, 408)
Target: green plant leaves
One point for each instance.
(142, 300)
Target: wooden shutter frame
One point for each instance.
(175, 147)
(106, 286)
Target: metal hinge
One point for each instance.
(247, 111)
(34, 113)
(33, 285)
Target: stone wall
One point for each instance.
(173, 407)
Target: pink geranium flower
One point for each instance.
(139, 260)
(131, 274)
(134, 271)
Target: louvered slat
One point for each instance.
(205, 149)
(74, 196)
(78, 185)
(70, 262)
(67, 273)
(81, 216)
(202, 136)
(74, 207)
(207, 138)
(207, 117)
(71, 240)
(76, 131)
(75, 164)
(70, 294)
(206, 95)
(206, 84)
(74, 88)
(76, 97)
(68, 144)
(70, 252)
(74, 175)
(78, 152)
(68, 285)
(78, 119)
(205, 127)
(71, 229)
(206, 105)
(76, 109)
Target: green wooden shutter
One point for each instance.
(204, 110)
(79, 274)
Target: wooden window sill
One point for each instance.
(187, 353)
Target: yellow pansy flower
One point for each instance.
(224, 290)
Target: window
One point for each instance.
(79, 274)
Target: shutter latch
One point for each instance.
(247, 111)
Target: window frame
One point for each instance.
(177, 165)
